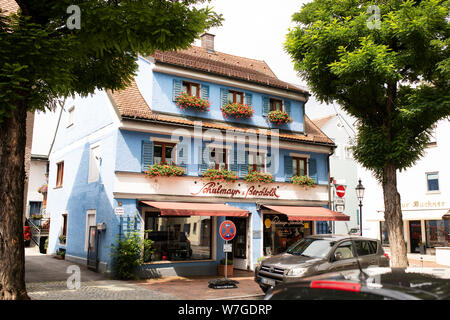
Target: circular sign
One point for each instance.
(227, 230)
(340, 191)
(267, 223)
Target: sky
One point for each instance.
(252, 28)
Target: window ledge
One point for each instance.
(176, 262)
(59, 187)
(434, 192)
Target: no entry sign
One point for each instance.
(227, 230)
(340, 191)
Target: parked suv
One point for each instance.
(320, 254)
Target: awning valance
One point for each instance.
(309, 213)
(196, 209)
(431, 214)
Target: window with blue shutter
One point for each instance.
(287, 107)
(248, 99)
(265, 106)
(203, 159)
(204, 92)
(223, 96)
(288, 170)
(177, 88)
(313, 169)
(242, 158)
(183, 155)
(147, 155)
(233, 161)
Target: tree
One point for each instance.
(52, 49)
(387, 63)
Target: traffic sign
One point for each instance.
(340, 191)
(340, 208)
(227, 230)
(339, 201)
(227, 247)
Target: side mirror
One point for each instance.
(337, 256)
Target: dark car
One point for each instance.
(320, 254)
(371, 284)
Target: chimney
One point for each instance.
(208, 42)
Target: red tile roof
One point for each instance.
(320, 122)
(230, 66)
(130, 104)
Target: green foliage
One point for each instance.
(220, 175)
(129, 253)
(42, 60)
(229, 262)
(304, 181)
(158, 170)
(255, 176)
(394, 79)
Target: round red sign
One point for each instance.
(227, 230)
(340, 191)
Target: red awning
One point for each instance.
(309, 213)
(196, 209)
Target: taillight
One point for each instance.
(387, 256)
(336, 285)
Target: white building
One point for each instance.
(37, 178)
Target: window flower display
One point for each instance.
(164, 170)
(185, 101)
(220, 175)
(255, 176)
(43, 189)
(304, 181)
(278, 117)
(237, 110)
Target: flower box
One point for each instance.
(185, 101)
(278, 117)
(237, 110)
(221, 270)
(164, 170)
(221, 175)
(43, 189)
(303, 181)
(254, 176)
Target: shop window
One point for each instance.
(299, 167)
(280, 233)
(276, 104)
(191, 88)
(172, 242)
(235, 97)
(218, 158)
(257, 162)
(384, 234)
(437, 233)
(433, 181)
(59, 174)
(163, 153)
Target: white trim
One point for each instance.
(189, 74)
(156, 139)
(299, 155)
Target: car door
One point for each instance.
(343, 257)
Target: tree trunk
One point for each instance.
(393, 218)
(12, 179)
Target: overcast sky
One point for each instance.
(252, 28)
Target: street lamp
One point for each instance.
(360, 195)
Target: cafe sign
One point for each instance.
(217, 189)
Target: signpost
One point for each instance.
(340, 191)
(227, 231)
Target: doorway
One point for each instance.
(415, 235)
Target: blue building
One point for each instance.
(106, 141)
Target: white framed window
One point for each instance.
(257, 161)
(348, 152)
(90, 221)
(94, 164)
(71, 116)
(432, 142)
(432, 181)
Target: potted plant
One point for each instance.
(36, 216)
(221, 175)
(185, 101)
(304, 181)
(237, 110)
(278, 117)
(62, 239)
(255, 176)
(61, 254)
(166, 170)
(221, 267)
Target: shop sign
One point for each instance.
(217, 189)
(424, 204)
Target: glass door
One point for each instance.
(415, 235)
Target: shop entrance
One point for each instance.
(415, 235)
(240, 243)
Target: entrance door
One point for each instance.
(92, 258)
(415, 235)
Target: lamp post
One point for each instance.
(360, 195)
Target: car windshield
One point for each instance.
(314, 248)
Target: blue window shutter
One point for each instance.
(183, 155)
(147, 154)
(202, 164)
(265, 105)
(243, 164)
(204, 92)
(233, 161)
(223, 97)
(287, 107)
(248, 99)
(270, 165)
(177, 88)
(288, 170)
(313, 169)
